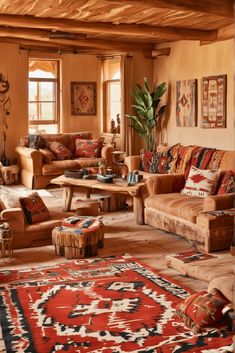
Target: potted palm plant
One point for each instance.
(147, 110)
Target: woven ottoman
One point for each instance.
(78, 237)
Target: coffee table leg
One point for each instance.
(138, 207)
(67, 197)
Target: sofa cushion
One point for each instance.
(88, 162)
(89, 148)
(201, 183)
(34, 209)
(182, 206)
(60, 151)
(58, 167)
(227, 183)
(202, 309)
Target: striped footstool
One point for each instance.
(78, 237)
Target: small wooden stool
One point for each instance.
(6, 242)
(78, 237)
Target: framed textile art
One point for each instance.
(83, 98)
(186, 103)
(214, 101)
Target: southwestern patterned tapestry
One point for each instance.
(186, 103)
(214, 101)
(109, 305)
(83, 98)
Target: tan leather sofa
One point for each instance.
(189, 216)
(36, 173)
(30, 235)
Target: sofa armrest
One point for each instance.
(165, 183)
(219, 202)
(30, 159)
(133, 163)
(106, 154)
(15, 218)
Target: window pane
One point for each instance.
(114, 110)
(47, 91)
(32, 111)
(32, 91)
(47, 111)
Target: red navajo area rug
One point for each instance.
(99, 305)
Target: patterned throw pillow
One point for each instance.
(36, 141)
(89, 148)
(47, 155)
(227, 183)
(34, 209)
(201, 183)
(202, 309)
(159, 163)
(60, 151)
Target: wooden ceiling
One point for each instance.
(112, 26)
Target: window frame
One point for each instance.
(55, 81)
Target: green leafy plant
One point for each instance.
(147, 110)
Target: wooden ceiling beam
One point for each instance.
(43, 36)
(28, 44)
(224, 8)
(155, 32)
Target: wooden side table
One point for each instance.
(10, 174)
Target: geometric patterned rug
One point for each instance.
(98, 305)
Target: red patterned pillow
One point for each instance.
(202, 309)
(146, 158)
(60, 151)
(227, 183)
(200, 182)
(89, 148)
(34, 209)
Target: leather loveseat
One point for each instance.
(206, 222)
(37, 169)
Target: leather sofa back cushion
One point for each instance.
(59, 150)
(72, 137)
(201, 183)
(34, 209)
(89, 148)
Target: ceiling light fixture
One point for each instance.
(62, 35)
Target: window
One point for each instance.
(112, 96)
(43, 101)
(113, 105)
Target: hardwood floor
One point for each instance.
(122, 236)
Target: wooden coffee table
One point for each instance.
(118, 186)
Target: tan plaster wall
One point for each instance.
(189, 60)
(13, 63)
(84, 68)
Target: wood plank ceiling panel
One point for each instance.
(118, 23)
